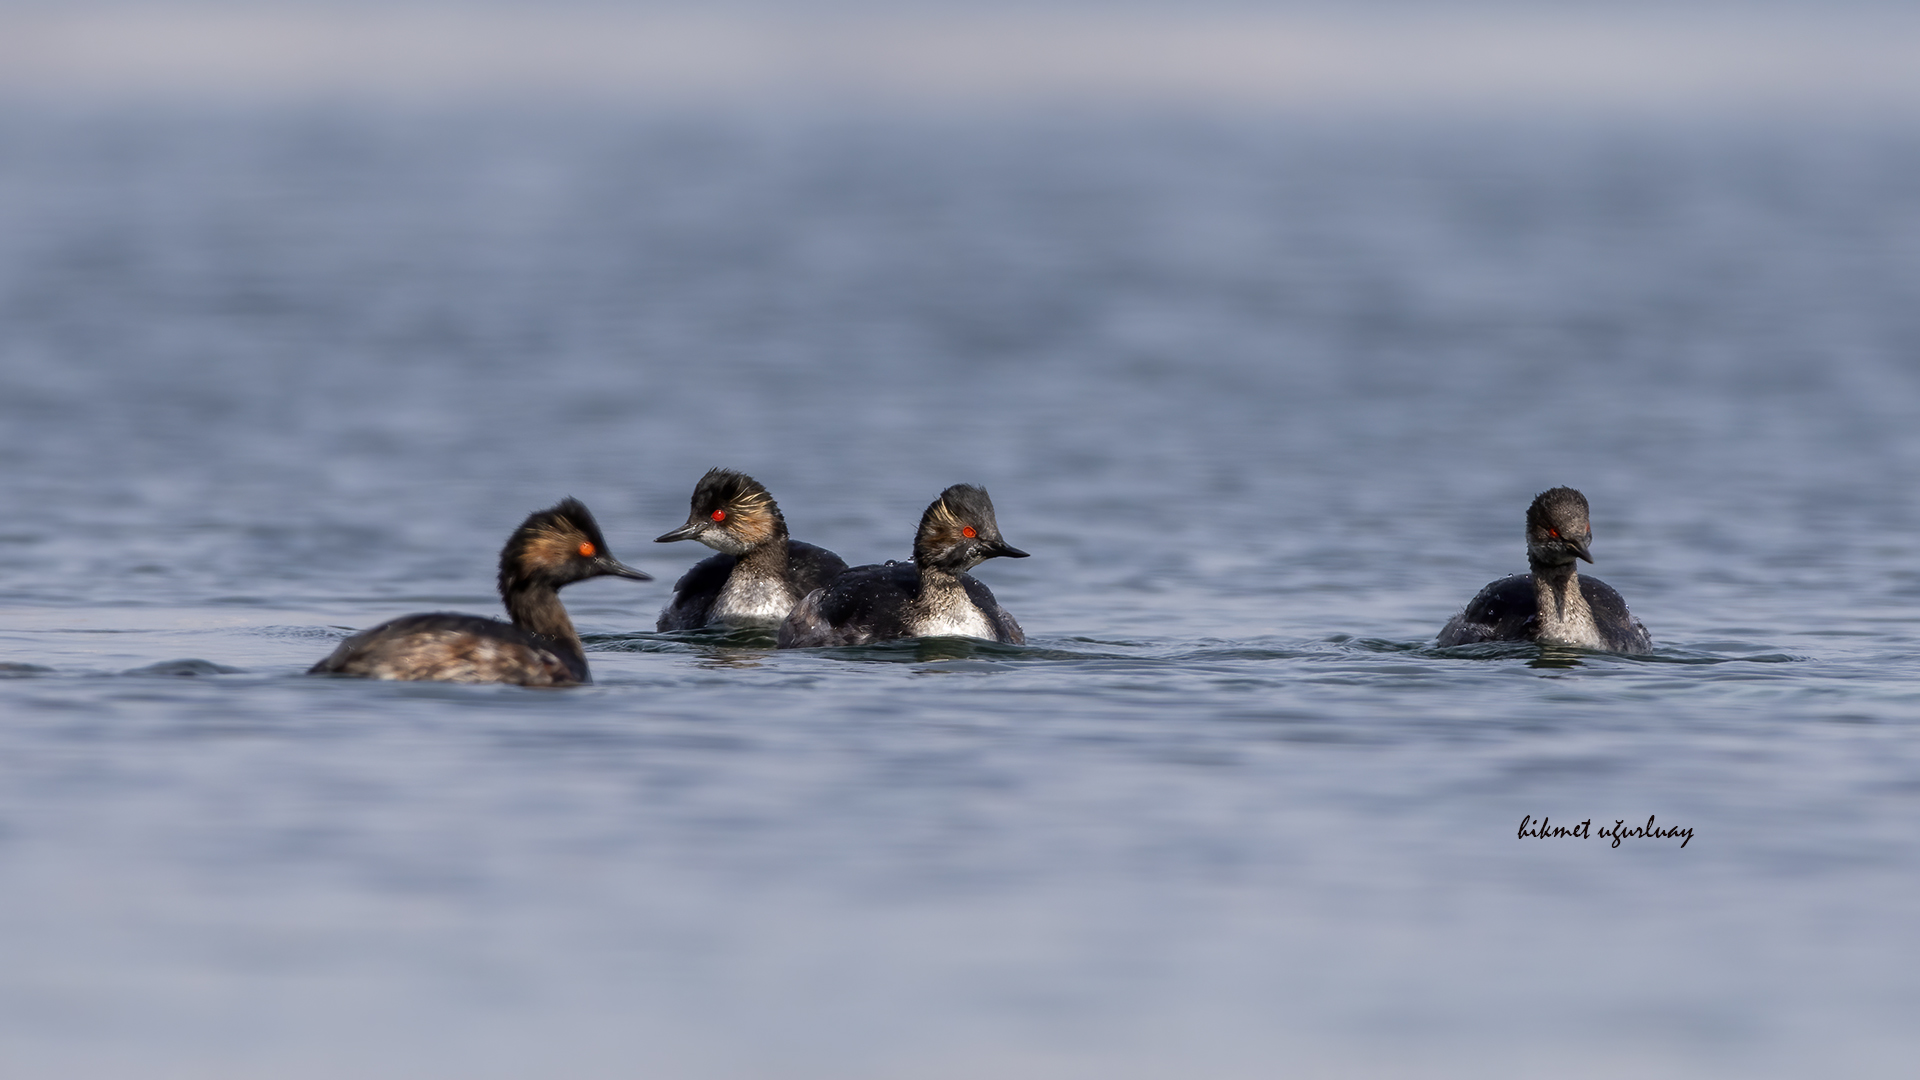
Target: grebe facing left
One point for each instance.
(551, 549)
(932, 596)
(1552, 604)
(760, 572)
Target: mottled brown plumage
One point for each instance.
(551, 549)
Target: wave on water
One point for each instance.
(188, 668)
(1206, 650)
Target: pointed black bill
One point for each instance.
(608, 565)
(685, 532)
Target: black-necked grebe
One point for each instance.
(760, 572)
(932, 596)
(1553, 604)
(551, 549)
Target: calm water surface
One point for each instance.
(1265, 400)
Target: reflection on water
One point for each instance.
(1264, 400)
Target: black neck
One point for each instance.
(535, 607)
(1551, 582)
(1556, 571)
(770, 558)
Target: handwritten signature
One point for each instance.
(1618, 832)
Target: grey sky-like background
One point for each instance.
(1764, 58)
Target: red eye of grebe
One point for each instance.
(719, 515)
(967, 531)
(1555, 533)
(586, 549)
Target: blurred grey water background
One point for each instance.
(1265, 393)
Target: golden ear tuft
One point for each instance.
(944, 515)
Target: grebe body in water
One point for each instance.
(932, 596)
(760, 572)
(551, 549)
(1552, 604)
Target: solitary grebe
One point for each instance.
(932, 596)
(759, 574)
(550, 549)
(1553, 605)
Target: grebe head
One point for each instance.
(1557, 528)
(559, 546)
(958, 532)
(731, 513)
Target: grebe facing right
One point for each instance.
(551, 549)
(1552, 604)
(932, 596)
(760, 572)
